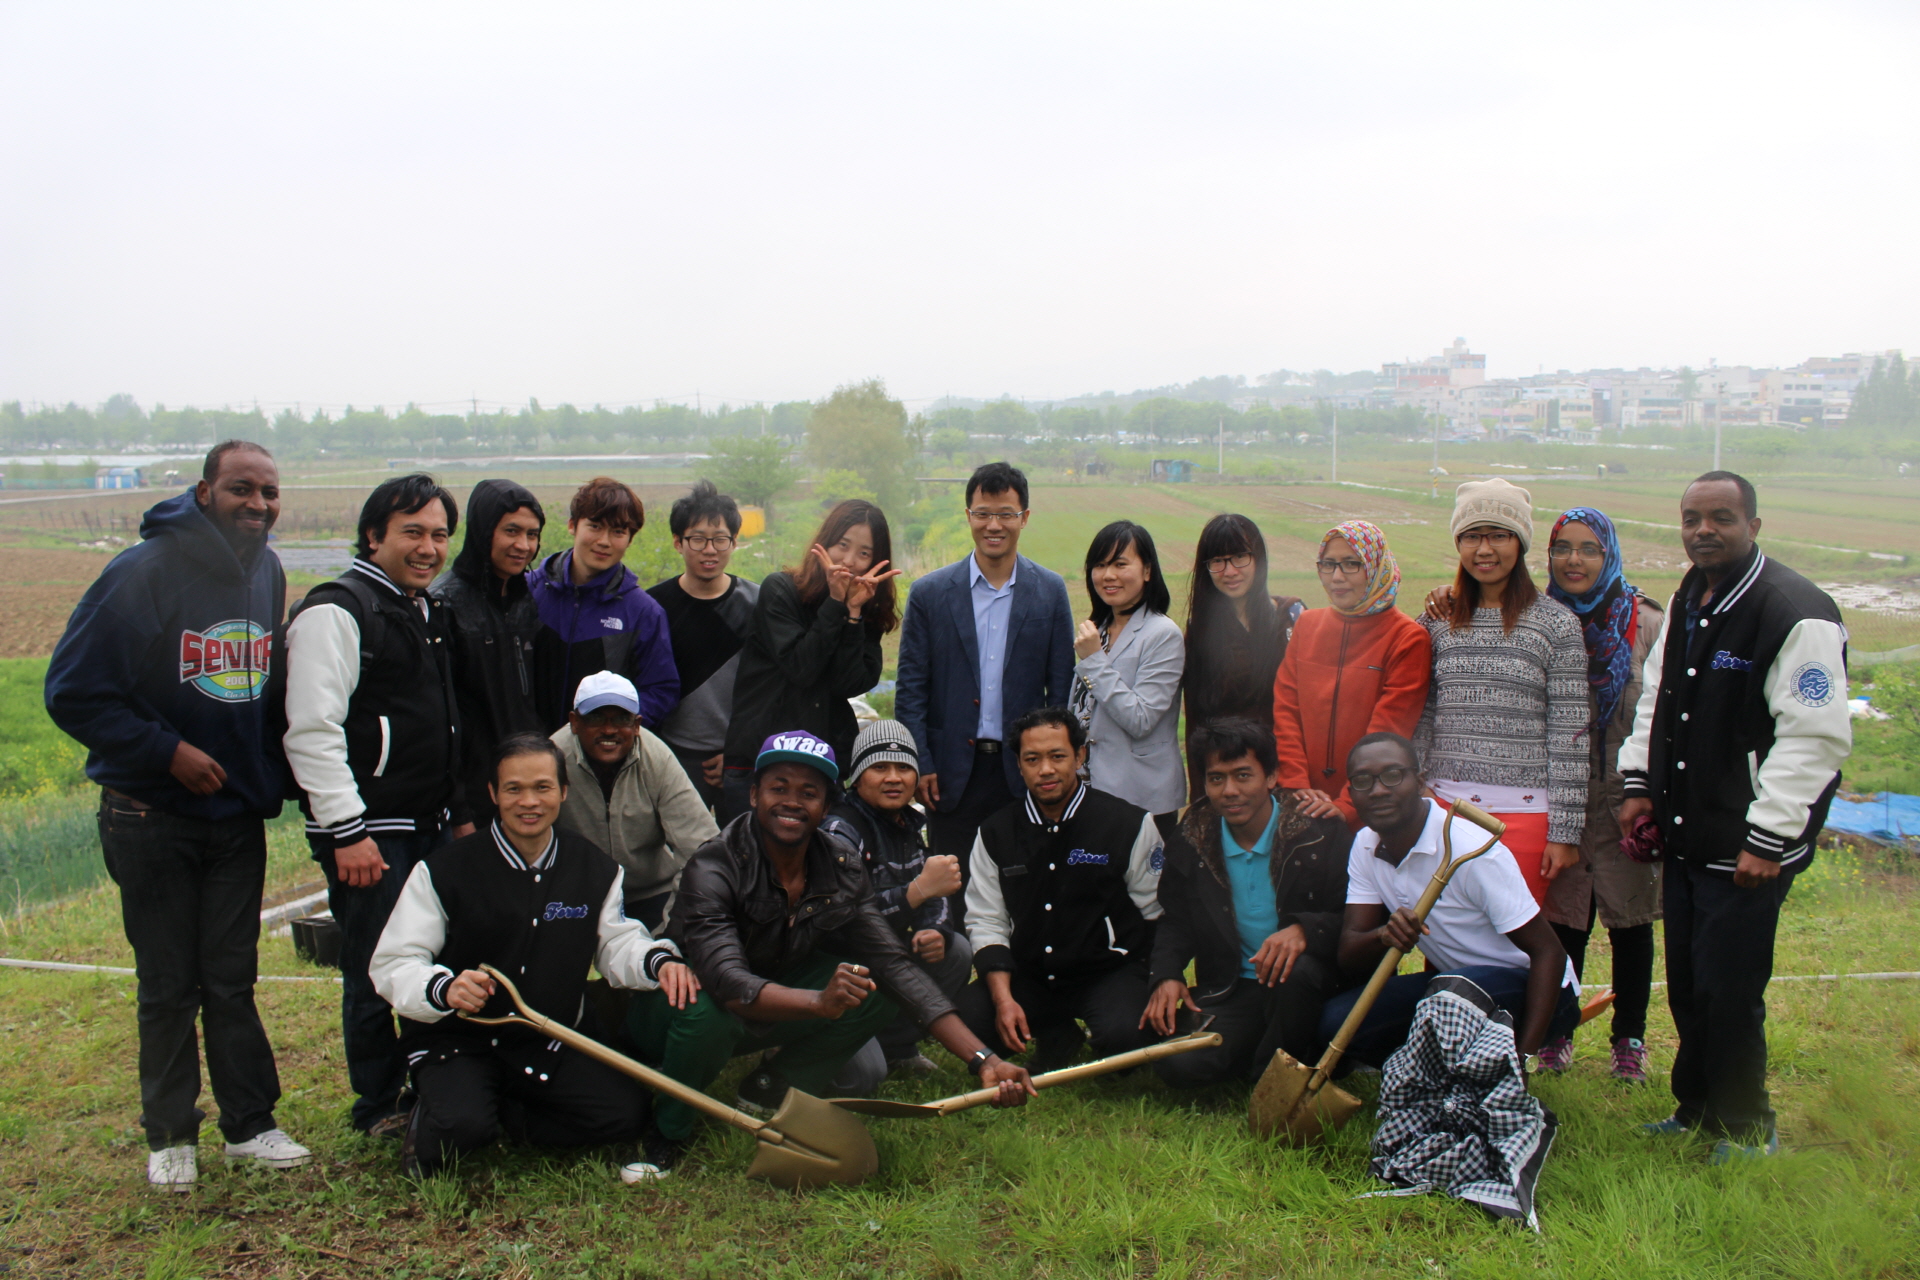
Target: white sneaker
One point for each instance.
(641, 1171)
(173, 1168)
(273, 1149)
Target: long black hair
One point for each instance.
(1112, 541)
(1214, 639)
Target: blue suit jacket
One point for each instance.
(938, 691)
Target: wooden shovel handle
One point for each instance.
(620, 1062)
(1085, 1070)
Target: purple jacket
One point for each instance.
(609, 624)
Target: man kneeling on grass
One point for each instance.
(777, 919)
(541, 906)
(1486, 926)
(1253, 891)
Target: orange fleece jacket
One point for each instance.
(1324, 701)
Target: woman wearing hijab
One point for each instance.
(1508, 701)
(1126, 686)
(1356, 667)
(1236, 633)
(1618, 625)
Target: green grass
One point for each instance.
(1115, 1178)
(36, 758)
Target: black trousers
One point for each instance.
(544, 1094)
(1254, 1021)
(952, 832)
(1719, 960)
(1110, 1006)
(1632, 971)
(190, 905)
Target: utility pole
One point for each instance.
(1336, 445)
(1716, 443)
(1220, 425)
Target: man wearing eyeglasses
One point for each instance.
(1485, 927)
(984, 642)
(709, 612)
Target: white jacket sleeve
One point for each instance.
(1139, 706)
(323, 669)
(1637, 747)
(628, 957)
(404, 970)
(1143, 870)
(1812, 734)
(987, 921)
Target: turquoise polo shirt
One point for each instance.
(1254, 911)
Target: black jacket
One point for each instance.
(492, 628)
(800, 665)
(1743, 722)
(1308, 868)
(737, 930)
(894, 849)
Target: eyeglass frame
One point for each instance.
(1238, 560)
(979, 515)
(703, 541)
(1348, 568)
(1587, 550)
(1375, 779)
(1491, 537)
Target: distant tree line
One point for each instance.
(1889, 397)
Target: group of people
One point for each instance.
(538, 766)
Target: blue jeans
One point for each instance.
(1391, 1018)
(376, 1069)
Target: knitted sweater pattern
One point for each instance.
(1507, 709)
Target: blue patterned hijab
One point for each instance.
(1608, 612)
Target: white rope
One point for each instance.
(1784, 977)
(63, 967)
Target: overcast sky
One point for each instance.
(389, 202)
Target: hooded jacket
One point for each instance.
(491, 636)
(606, 624)
(177, 640)
(1308, 870)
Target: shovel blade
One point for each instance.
(1280, 1107)
(817, 1143)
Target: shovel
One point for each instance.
(807, 1142)
(1202, 1039)
(1298, 1105)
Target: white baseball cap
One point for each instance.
(606, 689)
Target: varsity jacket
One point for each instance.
(544, 924)
(1067, 901)
(1307, 867)
(175, 640)
(491, 625)
(650, 823)
(893, 847)
(738, 930)
(1742, 725)
(606, 624)
(373, 724)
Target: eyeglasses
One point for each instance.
(1352, 568)
(980, 515)
(1363, 783)
(719, 541)
(1567, 551)
(1496, 538)
(1220, 564)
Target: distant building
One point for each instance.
(1454, 367)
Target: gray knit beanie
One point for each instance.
(1497, 502)
(879, 742)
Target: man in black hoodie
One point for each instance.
(163, 675)
(494, 622)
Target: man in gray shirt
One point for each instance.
(709, 612)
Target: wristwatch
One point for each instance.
(979, 1059)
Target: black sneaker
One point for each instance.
(659, 1154)
(762, 1092)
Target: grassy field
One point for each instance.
(1117, 1178)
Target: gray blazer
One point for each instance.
(1130, 700)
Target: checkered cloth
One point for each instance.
(1455, 1114)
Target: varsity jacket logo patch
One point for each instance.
(1081, 858)
(1813, 685)
(561, 911)
(1724, 661)
(228, 661)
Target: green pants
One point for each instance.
(693, 1044)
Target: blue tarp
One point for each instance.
(1887, 816)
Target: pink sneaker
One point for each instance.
(1629, 1060)
(1556, 1055)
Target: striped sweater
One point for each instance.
(1505, 709)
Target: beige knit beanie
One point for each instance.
(1497, 502)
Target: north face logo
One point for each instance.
(613, 624)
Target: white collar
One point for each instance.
(1066, 815)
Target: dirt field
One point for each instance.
(38, 589)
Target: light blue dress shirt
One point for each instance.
(992, 610)
(1255, 913)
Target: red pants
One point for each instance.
(1527, 837)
